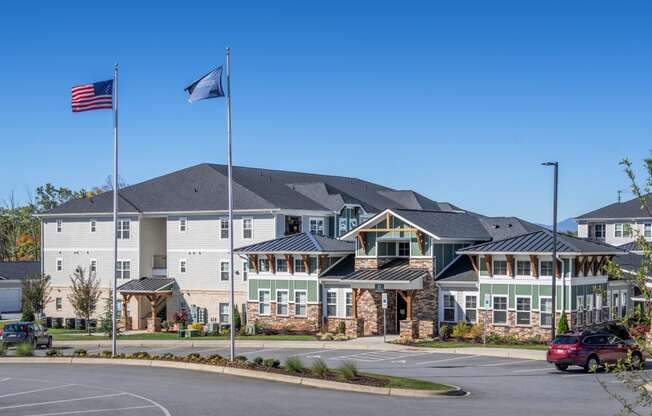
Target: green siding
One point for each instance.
(483, 267)
(524, 290)
(535, 297)
(291, 285)
(500, 289)
(512, 297)
(313, 293)
(484, 290)
(253, 289)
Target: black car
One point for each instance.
(21, 332)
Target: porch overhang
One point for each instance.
(371, 284)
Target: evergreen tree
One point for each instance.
(237, 321)
(562, 326)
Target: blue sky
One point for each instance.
(460, 101)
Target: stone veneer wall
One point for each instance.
(307, 325)
(521, 332)
(371, 262)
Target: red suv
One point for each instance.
(592, 349)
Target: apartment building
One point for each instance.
(617, 224)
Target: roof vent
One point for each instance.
(196, 190)
(496, 226)
(509, 225)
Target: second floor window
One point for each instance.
(281, 265)
(404, 249)
(622, 230)
(546, 268)
(59, 265)
(59, 226)
(224, 271)
(317, 226)
(598, 231)
(93, 266)
(500, 267)
(224, 228)
(263, 265)
(522, 268)
(183, 266)
(58, 303)
(247, 228)
(647, 230)
(183, 225)
(123, 269)
(93, 226)
(299, 266)
(245, 270)
(123, 231)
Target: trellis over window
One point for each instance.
(590, 265)
(254, 263)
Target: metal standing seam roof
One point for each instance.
(541, 242)
(397, 270)
(460, 270)
(148, 284)
(300, 243)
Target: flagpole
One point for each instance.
(230, 168)
(114, 319)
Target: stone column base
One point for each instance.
(426, 329)
(125, 325)
(355, 327)
(153, 324)
(409, 329)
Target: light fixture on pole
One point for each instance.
(554, 251)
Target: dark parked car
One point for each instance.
(20, 332)
(592, 349)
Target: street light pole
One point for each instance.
(554, 251)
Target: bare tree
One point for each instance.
(85, 294)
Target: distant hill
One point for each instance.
(567, 225)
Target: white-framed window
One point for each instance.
(449, 308)
(183, 266)
(471, 308)
(224, 228)
(299, 266)
(623, 304)
(59, 226)
(349, 304)
(300, 303)
(500, 310)
(247, 228)
(282, 302)
(597, 230)
(622, 230)
(123, 231)
(545, 312)
(589, 309)
(281, 265)
(316, 226)
(523, 268)
(123, 269)
(224, 271)
(580, 309)
(92, 267)
(225, 316)
(58, 303)
(523, 310)
(343, 225)
(403, 249)
(245, 270)
(264, 298)
(93, 225)
(331, 303)
(59, 265)
(545, 268)
(263, 265)
(183, 224)
(500, 268)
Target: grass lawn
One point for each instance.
(454, 344)
(409, 383)
(75, 335)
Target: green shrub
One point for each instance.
(237, 320)
(106, 354)
(143, 355)
(444, 331)
(26, 349)
(258, 360)
(240, 359)
(271, 363)
(215, 357)
(348, 370)
(3, 349)
(461, 330)
(320, 368)
(167, 356)
(54, 352)
(193, 356)
(341, 327)
(79, 352)
(294, 365)
(562, 326)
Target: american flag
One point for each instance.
(96, 96)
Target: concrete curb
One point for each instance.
(240, 372)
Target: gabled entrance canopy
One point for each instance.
(155, 289)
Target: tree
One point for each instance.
(107, 323)
(562, 326)
(85, 294)
(36, 294)
(237, 320)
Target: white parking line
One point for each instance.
(160, 406)
(37, 390)
(259, 351)
(310, 353)
(531, 370)
(445, 360)
(74, 412)
(63, 401)
(505, 363)
(211, 349)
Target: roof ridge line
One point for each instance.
(315, 242)
(212, 166)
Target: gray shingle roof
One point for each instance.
(148, 284)
(447, 224)
(460, 270)
(300, 243)
(542, 242)
(631, 246)
(505, 227)
(627, 209)
(630, 262)
(204, 188)
(18, 270)
(397, 270)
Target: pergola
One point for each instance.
(155, 290)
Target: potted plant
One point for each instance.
(180, 319)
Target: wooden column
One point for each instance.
(153, 299)
(354, 295)
(272, 263)
(409, 305)
(306, 262)
(510, 265)
(254, 260)
(579, 266)
(474, 264)
(488, 265)
(290, 261)
(362, 242)
(560, 264)
(321, 263)
(534, 265)
(421, 242)
(125, 303)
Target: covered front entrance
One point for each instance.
(152, 294)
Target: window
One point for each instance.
(292, 225)
(349, 304)
(224, 228)
(93, 266)
(589, 309)
(623, 304)
(500, 267)
(59, 226)
(123, 230)
(225, 316)
(331, 303)
(387, 248)
(317, 226)
(224, 271)
(618, 230)
(580, 310)
(449, 308)
(263, 265)
(245, 270)
(123, 269)
(622, 230)
(59, 265)
(523, 307)
(647, 230)
(523, 268)
(343, 225)
(93, 226)
(282, 302)
(183, 266)
(281, 266)
(58, 302)
(299, 266)
(470, 307)
(597, 231)
(183, 225)
(545, 312)
(300, 303)
(546, 268)
(247, 228)
(500, 310)
(598, 307)
(404, 249)
(263, 302)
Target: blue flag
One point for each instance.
(208, 86)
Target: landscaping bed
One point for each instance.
(77, 335)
